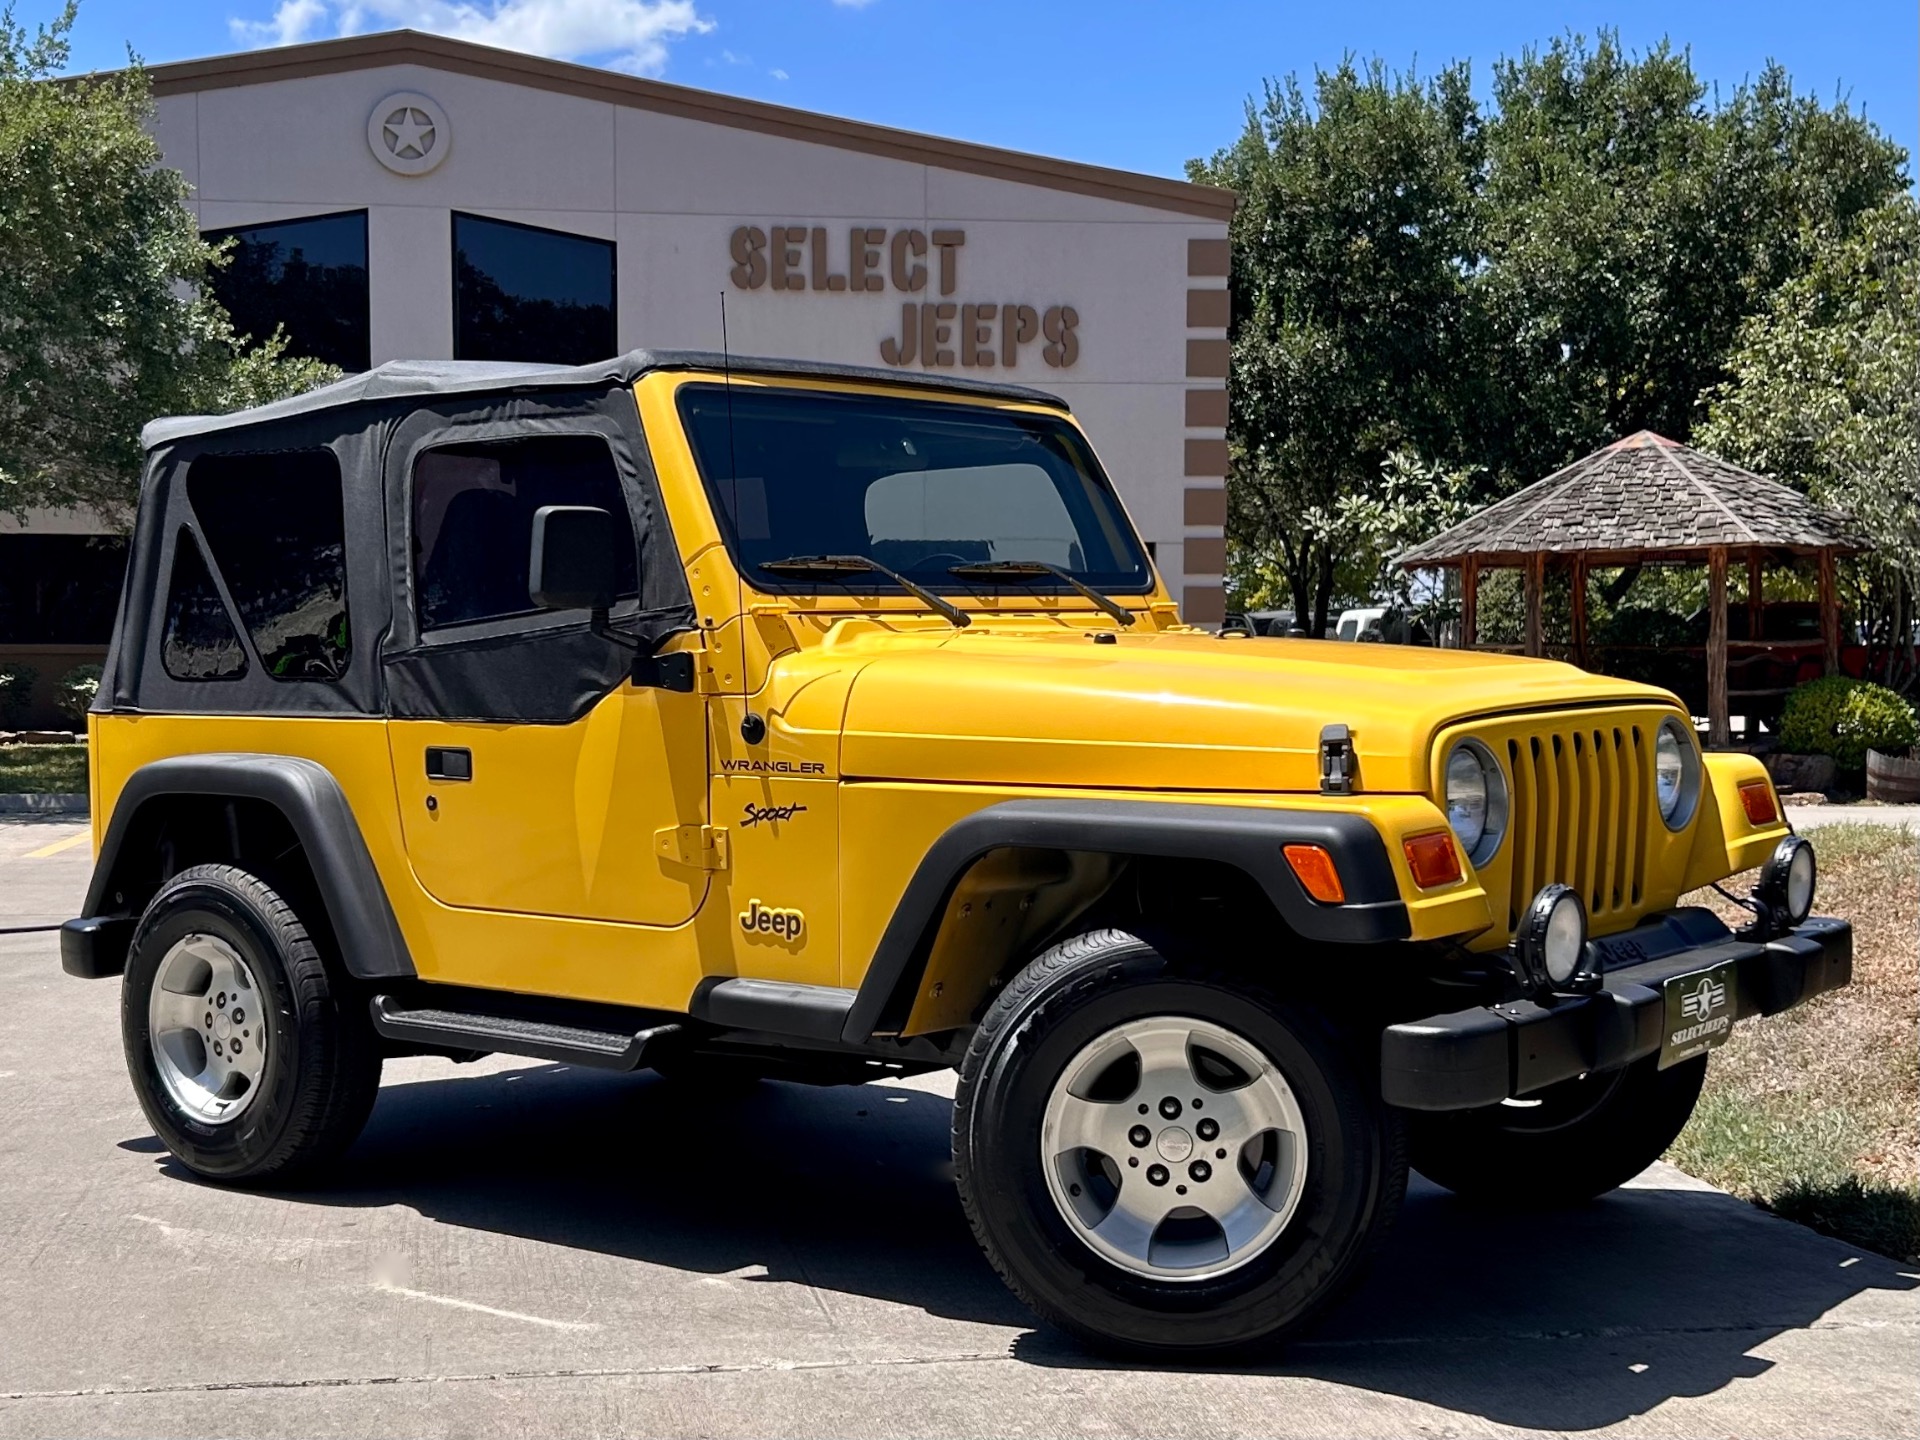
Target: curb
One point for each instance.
(75, 805)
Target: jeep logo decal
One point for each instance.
(758, 919)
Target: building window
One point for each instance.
(521, 293)
(274, 525)
(307, 276)
(473, 521)
(59, 589)
(199, 642)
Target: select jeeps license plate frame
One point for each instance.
(1700, 1010)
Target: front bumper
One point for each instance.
(1496, 1052)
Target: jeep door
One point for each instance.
(532, 775)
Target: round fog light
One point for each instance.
(1551, 946)
(1787, 880)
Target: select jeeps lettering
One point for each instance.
(758, 919)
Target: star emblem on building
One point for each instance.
(409, 133)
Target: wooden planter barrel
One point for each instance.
(1893, 778)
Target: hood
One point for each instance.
(1172, 710)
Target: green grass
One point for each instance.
(43, 769)
(1811, 1114)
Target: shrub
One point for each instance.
(1876, 719)
(77, 689)
(16, 693)
(1845, 719)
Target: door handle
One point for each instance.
(446, 762)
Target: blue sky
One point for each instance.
(1125, 83)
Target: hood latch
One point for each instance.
(1339, 766)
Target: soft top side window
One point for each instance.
(278, 535)
(199, 642)
(472, 510)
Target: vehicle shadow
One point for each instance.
(1567, 1321)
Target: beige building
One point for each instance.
(406, 196)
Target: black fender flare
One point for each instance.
(1248, 838)
(307, 794)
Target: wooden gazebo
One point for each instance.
(1646, 500)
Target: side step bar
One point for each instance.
(510, 1035)
(775, 1007)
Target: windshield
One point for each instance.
(919, 486)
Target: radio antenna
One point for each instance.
(752, 727)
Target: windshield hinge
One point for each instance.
(700, 847)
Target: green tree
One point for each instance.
(1353, 334)
(1630, 227)
(1824, 393)
(105, 320)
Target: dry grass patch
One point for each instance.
(1812, 1114)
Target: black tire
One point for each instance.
(1062, 1002)
(322, 1062)
(1585, 1137)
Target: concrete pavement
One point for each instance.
(1809, 817)
(517, 1248)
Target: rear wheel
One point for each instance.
(1165, 1158)
(1567, 1144)
(249, 1061)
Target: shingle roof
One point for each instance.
(1643, 493)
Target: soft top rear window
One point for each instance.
(918, 485)
(273, 521)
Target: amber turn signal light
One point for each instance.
(1314, 866)
(1433, 859)
(1757, 797)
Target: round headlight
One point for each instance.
(1466, 798)
(1676, 773)
(1476, 799)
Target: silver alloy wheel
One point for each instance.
(208, 1025)
(1174, 1148)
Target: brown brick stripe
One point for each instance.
(1209, 309)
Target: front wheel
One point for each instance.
(1165, 1158)
(250, 1062)
(1569, 1143)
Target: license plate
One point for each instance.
(1700, 1010)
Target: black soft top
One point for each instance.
(432, 379)
(542, 667)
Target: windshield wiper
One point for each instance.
(988, 569)
(855, 564)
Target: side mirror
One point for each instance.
(573, 565)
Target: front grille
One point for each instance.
(1578, 814)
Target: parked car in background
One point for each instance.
(1387, 624)
(1265, 622)
(1353, 624)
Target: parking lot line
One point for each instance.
(54, 849)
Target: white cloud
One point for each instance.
(630, 35)
(779, 74)
(853, 4)
(292, 22)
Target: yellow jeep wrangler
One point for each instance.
(778, 719)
